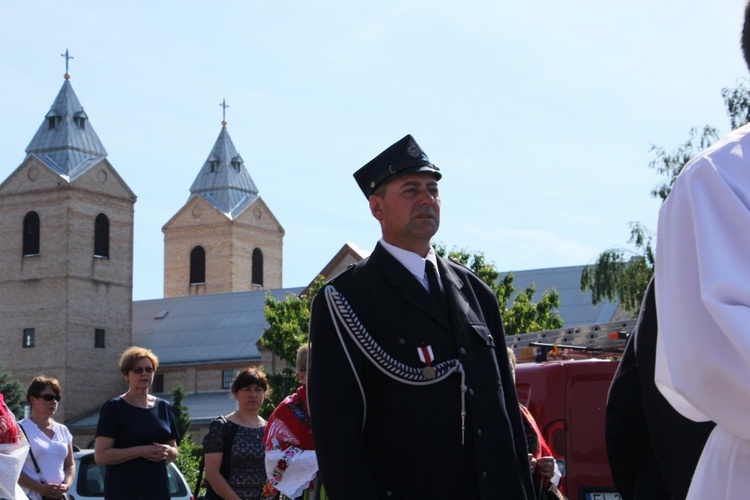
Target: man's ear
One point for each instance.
(376, 206)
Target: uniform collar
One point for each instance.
(413, 262)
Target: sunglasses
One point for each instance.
(49, 397)
(139, 370)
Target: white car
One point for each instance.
(89, 481)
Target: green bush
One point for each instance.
(189, 460)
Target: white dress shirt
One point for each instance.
(413, 262)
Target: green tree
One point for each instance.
(181, 413)
(523, 315)
(280, 385)
(13, 392)
(737, 102)
(670, 164)
(288, 326)
(188, 461)
(623, 274)
(189, 455)
(288, 323)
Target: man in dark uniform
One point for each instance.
(410, 391)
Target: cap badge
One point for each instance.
(413, 150)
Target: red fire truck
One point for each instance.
(563, 377)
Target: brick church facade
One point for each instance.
(66, 257)
(66, 260)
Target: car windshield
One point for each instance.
(90, 479)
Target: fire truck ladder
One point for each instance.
(580, 342)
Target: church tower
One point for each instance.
(66, 261)
(224, 239)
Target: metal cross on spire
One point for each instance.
(224, 105)
(67, 57)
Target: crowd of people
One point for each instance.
(136, 438)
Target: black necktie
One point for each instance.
(434, 284)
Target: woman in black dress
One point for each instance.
(137, 434)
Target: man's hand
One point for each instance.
(546, 467)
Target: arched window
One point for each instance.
(197, 265)
(31, 234)
(257, 274)
(101, 236)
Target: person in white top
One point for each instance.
(51, 443)
(703, 303)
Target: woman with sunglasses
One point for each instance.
(136, 436)
(51, 471)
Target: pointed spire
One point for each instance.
(224, 181)
(66, 141)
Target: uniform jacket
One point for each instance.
(377, 437)
(652, 449)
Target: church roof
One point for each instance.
(575, 308)
(66, 141)
(223, 180)
(203, 329)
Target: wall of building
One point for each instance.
(64, 293)
(228, 245)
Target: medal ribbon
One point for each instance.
(425, 354)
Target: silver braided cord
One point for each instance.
(339, 306)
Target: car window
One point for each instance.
(90, 479)
(176, 485)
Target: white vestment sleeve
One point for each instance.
(703, 308)
(703, 290)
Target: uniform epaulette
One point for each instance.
(457, 262)
(465, 267)
(332, 280)
(461, 264)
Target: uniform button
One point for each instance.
(462, 351)
(401, 341)
(479, 433)
(483, 476)
(471, 392)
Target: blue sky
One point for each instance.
(539, 113)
